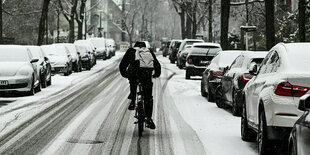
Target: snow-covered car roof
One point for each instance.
(207, 44)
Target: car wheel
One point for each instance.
(49, 82)
(235, 105)
(264, 144)
(187, 75)
(247, 134)
(88, 67)
(210, 96)
(39, 87)
(218, 97)
(43, 81)
(32, 91)
(80, 66)
(202, 89)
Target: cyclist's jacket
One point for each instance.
(139, 62)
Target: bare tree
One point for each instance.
(130, 18)
(69, 11)
(302, 20)
(1, 33)
(225, 9)
(270, 28)
(80, 14)
(43, 21)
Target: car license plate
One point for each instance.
(4, 83)
(203, 62)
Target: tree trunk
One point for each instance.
(183, 28)
(302, 20)
(80, 19)
(210, 21)
(225, 9)
(270, 29)
(1, 32)
(71, 22)
(123, 20)
(42, 21)
(195, 25)
(188, 27)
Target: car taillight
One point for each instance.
(286, 89)
(246, 77)
(218, 73)
(190, 61)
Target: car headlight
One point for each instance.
(25, 71)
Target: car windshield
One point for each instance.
(35, 51)
(13, 55)
(98, 43)
(210, 50)
(227, 58)
(54, 50)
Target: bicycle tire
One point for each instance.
(140, 126)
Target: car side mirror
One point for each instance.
(253, 69)
(34, 60)
(45, 59)
(304, 103)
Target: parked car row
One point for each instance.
(28, 69)
(269, 90)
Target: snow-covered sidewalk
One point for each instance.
(16, 110)
(217, 129)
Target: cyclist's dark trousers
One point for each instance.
(147, 86)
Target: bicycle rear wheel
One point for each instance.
(140, 126)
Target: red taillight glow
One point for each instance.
(286, 89)
(246, 77)
(190, 61)
(218, 73)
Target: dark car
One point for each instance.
(211, 77)
(182, 52)
(86, 56)
(44, 66)
(300, 134)
(166, 48)
(175, 44)
(199, 56)
(236, 78)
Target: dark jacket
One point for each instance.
(129, 67)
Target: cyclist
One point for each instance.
(139, 63)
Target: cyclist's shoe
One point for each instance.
(150, 124)
(131, 106)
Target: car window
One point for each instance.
(263, 64)
(240, 61)
(276, 64)
(235, 63)
(271, 65)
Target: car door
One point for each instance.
(251, 88)
(227, 79)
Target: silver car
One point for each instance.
(59, 57)
(18, 70)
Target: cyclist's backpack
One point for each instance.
(145, 57)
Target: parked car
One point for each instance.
(111, 47)
(91, 48)
(18, 70)
(43, 66)
(174, 50)
(166, 48)
(101, 46)
(211, 77)
(300, 134)
(60, 58)
(199, 56)
(236, 78)
(76, 57)
(86, 56)
(271, 97)
(180, 56)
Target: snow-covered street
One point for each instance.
(87, 114)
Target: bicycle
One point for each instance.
(140, 111)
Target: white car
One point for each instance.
(91, 48)
(76, 57)
(101, 47)
(18, 70)
(111, 47)
(271, 98)
(60, 58)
